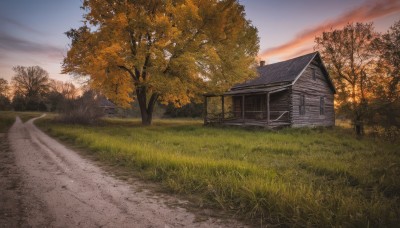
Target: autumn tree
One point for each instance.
(31, 84)
(386, 102)
(351, 59)
(169, 51)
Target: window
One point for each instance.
(322, 106)
(302, 106)
(314, 76)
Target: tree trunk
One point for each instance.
(357, 120)
(146, 108)
(359, 125)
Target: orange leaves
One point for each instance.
(175, 49)
(179, 93)
(110, 55)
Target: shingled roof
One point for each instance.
(105, 103)
(282, 72)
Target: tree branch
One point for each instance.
(134, 77)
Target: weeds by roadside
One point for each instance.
(7, 118)
(293, 177)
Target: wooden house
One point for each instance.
(108, 108)
(297, 92)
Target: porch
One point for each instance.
(266, 107)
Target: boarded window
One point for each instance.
(322, 106)
(314, 76)
(302, 106)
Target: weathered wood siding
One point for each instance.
(313, 91)
(280, 101)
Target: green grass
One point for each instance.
(292, 177)
(7, 118)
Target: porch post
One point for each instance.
(223, 108)
(268, 109)
(205, 110)
(243, 108)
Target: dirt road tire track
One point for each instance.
(11, 187)
(66, 190)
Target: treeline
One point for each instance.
(31, 89)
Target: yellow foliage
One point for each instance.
(173, 49)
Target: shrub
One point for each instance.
(5, 103)
(392, 134)
(190, 110)
(84, 110)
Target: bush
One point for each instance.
(18, 103)
(84, 110)
(5, 103)
(392, 134)
(190, 110)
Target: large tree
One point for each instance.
(31, 83)
(168, 51)
(351, 59)
(387, 86)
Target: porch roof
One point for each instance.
(272, 89)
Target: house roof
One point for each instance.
(284, 72)
(104, 102)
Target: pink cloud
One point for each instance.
(366, 12)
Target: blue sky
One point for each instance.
(32, 31)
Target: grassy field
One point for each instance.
(8, 118)
(292, 177)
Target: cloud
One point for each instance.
(298, 52)
(19, 25)
(366, 12)
(11, 44)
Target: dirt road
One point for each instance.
(58, 188)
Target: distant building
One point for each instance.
(297, 92)
(109, 108)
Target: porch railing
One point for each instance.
(275, 116)
(284, 116)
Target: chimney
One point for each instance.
(262, 63)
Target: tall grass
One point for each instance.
(292, 177)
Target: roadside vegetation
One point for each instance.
(7, 118)
(291, 177)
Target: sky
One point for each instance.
(32, 31)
